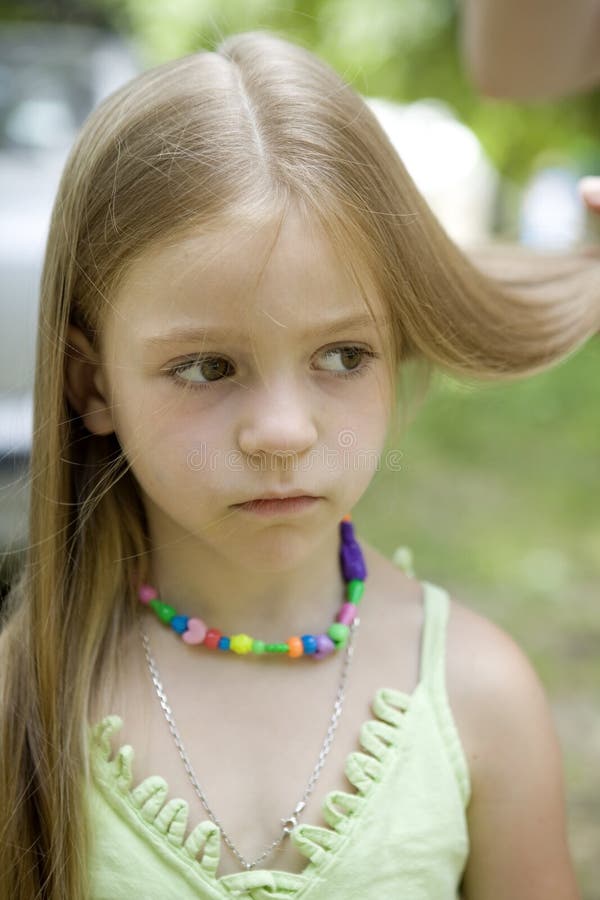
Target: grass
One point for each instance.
(497, 496)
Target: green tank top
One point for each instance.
(401, 834)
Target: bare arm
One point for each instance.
(516, 816)
(531, 49)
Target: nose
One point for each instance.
(277, 421)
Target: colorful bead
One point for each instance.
(164, 612)
(276, 648)
(355, 590)
(196, 632)
(325, 646)
(146, 593)
(347, 532)
(309, 642)
(296, 646)
(258, 647)
(241, 643)
(353, 564)
(212, 638)
(179, 623)
(224, 643)
(338, 632)
(346, 614)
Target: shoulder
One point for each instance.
(493, 687)
(516, 815)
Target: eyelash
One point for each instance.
(182, 367)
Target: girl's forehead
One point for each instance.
(286, 273)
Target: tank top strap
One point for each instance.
(432, 676)
(436, 606)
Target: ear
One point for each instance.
(85, 385)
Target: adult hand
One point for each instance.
(589, 188)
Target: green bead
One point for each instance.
(277, 648)
(241, 643)
(164, 612)
(354, 590)
(338, 632)
(258, 647)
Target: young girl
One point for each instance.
(239, 274)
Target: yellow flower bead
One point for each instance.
(241, 643)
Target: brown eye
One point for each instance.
(352, 359)
(210, 368)
(352, 356)
(207, 370)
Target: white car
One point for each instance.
(51, 77)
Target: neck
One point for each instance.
(298, 589)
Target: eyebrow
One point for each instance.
(184, 335)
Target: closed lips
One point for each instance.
(276, 497)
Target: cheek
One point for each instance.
(168, 441)
(362, 442)
(364, 425)
(143, 425)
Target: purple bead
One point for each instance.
(353, 564)
(347, 532)
(325, 646)
(346, 614)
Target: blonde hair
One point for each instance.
(199, 142)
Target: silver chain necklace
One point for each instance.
(290, 823)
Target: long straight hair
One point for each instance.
(200, 142)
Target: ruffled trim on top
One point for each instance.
(149, 799)
(378, 737)
(341, 810)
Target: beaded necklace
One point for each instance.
(340, 634)
(194, 631)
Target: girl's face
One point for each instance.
(225, 385)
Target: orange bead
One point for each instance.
(296, 646)
(347, 518)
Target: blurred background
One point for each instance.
(496, 495)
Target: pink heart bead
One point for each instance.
(195, 632)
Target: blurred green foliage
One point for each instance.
(399, 49)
